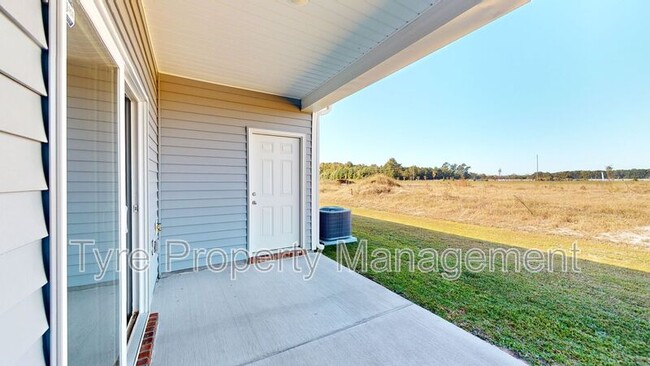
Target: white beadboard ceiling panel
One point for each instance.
(278, 47)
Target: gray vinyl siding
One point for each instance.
(203, 160)
(92, 158)
(128, 17)
(23, 96)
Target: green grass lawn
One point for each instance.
(596, 317)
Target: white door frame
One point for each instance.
(303, 180)
(134, 88)
(139, 105)
(58, 276)
(140, 279)
(97, 19)
(128, 83)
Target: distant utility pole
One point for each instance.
(537, 171)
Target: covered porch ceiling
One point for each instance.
(317, 51)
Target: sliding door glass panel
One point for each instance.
(93, 199)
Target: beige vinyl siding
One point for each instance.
(31, 114)
(128, 17)
(203, 160)
(23, 139)
(21, 56)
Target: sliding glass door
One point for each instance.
(93, 168)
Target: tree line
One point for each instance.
(393, 169)
(607, 173)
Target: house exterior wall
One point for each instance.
(23, 183)
(204, 161)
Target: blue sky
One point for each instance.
(566, 79)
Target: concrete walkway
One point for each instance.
(279, 318)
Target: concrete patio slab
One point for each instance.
(279, 318)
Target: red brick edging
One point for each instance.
(146, 347)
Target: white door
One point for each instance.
(274, 197)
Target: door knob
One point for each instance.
(254, 202)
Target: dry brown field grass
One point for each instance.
(608, 212)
